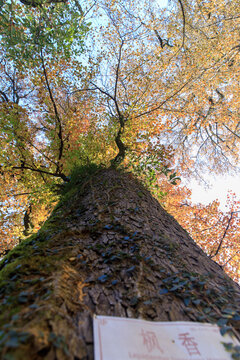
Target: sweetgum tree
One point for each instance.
(141, 100)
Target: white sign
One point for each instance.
(132, 339)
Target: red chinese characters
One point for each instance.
(150, 341)
(189, 343)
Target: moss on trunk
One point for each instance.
(108, 248)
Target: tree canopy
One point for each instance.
(129, 83)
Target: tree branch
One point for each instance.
(56, 174)
(4, 96)
(121, 146)
(184, 21)
(225, 233)
(60, 135)
(231, 131)
(39, 3)
(117, 71)
(165, 101)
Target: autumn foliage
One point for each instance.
(129, 83)
(214, 230)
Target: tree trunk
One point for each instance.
(109, 248)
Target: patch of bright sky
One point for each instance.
(163, 3)
(219, 186)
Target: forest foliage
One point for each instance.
(136, 84)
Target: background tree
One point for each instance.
(36, 46)
(214, 230)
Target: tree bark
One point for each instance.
(108, 248)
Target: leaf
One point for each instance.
(229, 311)
(236, 356)
(134, 300)
(187, 301)
(196, 301)
(222, 322)
(22, 299)
(207, 310)
(13, 342)
(148, 302)
(108, 227)
(228, 346)
(225, 329)
(131, 269)
(34, 306)
(163, 291)
(102, 278)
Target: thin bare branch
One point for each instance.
(184, 21)
(4, 96)
(226, 127)
(40, 171)
(117, 70)
(224, 235)
(165, 101)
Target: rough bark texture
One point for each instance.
(109, 248)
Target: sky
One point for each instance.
(218, 189)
